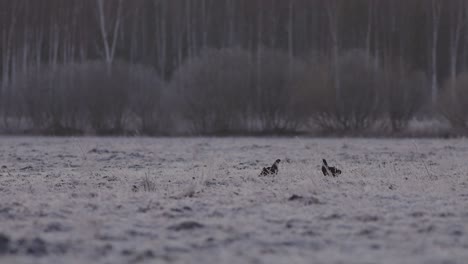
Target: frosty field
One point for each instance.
(181, 200)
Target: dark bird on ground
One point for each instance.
(271, 170)
(327, 170)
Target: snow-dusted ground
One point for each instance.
(72, 200)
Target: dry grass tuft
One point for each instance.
(147, 184)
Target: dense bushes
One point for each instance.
(214, 91)
(278, 105)
(352, 105)
(233, 91)
(405, 94)
(227, 91)
(367, 94)
(92, 96)
(454, 102)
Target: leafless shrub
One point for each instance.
(73, 97)
(316, 88)
(232, 90)
(404, 95)
(149, 101)
(48, 99)
(453, 104)
(359, 102)
(278, 103)
(214, 90)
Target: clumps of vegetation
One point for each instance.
(305, 200)
(36, 247)
(146, 185)
(186, 225)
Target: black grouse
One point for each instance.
(326, 170)
(271, 170)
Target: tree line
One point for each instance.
(230, 66)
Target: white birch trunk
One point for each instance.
(436, 6)
(109, 45)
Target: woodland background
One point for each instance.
(224, 67)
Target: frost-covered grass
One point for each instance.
(72, 200)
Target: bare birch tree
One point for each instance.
(109, 35)
(161, 34)
(435, 13)
(457, 23)
(333, 17)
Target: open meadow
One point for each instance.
(200, 200)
